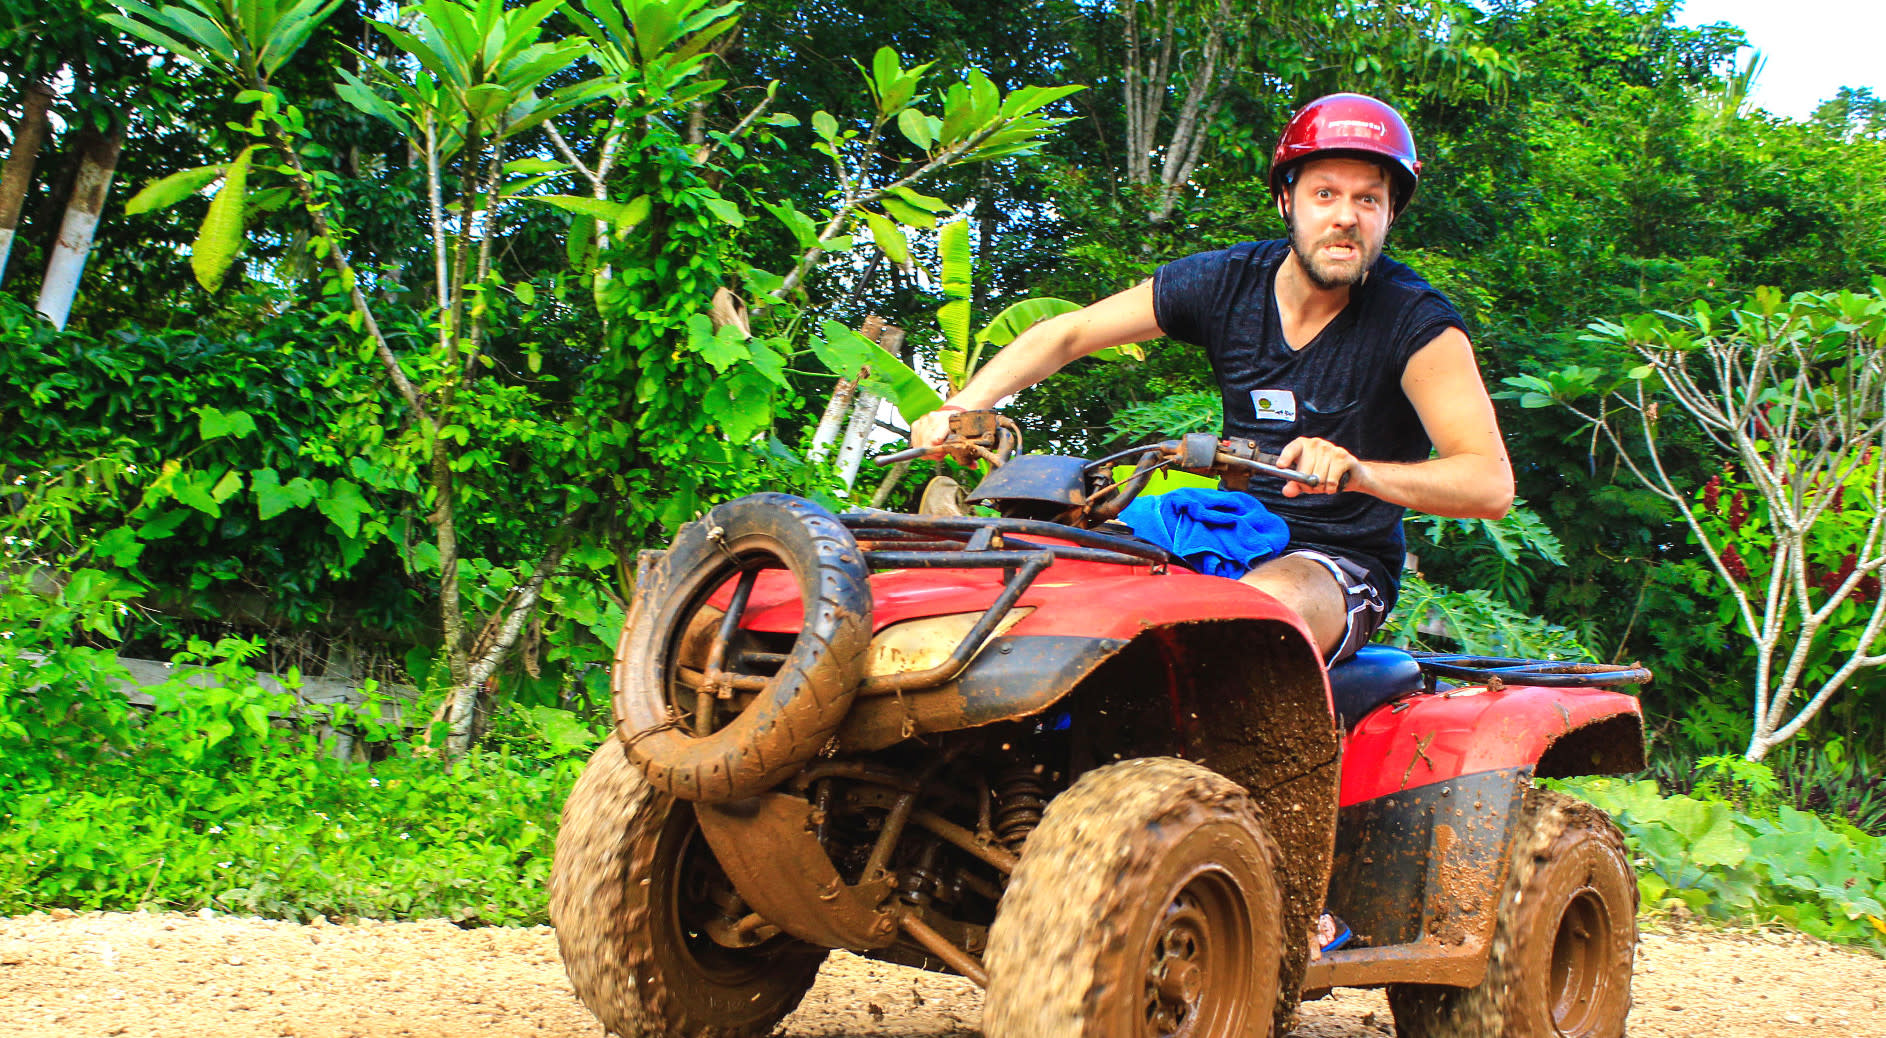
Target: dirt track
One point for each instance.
(182, 975)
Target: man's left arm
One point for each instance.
(1468, 478)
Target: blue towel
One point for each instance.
(1220, 532)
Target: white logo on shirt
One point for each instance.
(1274, 405)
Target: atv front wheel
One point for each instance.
(1145, 906)
(715, 745)
(1563, 948)
(632, 890)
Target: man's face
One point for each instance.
(1338, 213)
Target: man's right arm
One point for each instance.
(1045, 349)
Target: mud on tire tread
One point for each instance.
(1061, 929)
(1508, 1003)
(802, 705)
(609, 906)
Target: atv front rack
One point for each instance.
(892, 540)
(1539, 673)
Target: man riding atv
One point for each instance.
(1342, 362)
(1112, 788)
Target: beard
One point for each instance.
(1331, 275)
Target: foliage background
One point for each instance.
(1587, 159)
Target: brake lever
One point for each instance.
(1277, 471)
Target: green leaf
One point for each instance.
(953, 318)
(916, 127)
(921, 200)
(121, 546)
(343, 504)
(563, 730)
(213, 424)
(486, 100)
(192, 490)
(1023, 315)
(728, 213)
(162, 525)
(226, 487)
(886, 69)
(271, 498)
(621, 214)
(722, 349)
(768, 362)
(889, 238)
(168, 191)
(1028, 99)
(905, 213)
(824, 125)
(984, 97)
(953, 247)
(741, 403)
(804, 231)
(363, 97)
(845, 352)
(220, 238)
(1534, 400)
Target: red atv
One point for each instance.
(1115, 793)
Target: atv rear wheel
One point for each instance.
(699, 743)
(1145, 906)
(1563, 948)
(632, 890)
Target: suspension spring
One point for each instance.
(1021, 794)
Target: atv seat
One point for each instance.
(1376, 674)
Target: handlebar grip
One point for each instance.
(1265, 468)
(907, 454)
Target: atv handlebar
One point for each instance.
(991, 437)
(973, 435)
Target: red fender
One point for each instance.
(1435, 736)
(1089, 599)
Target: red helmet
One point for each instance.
(1353, 125)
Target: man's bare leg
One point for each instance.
(1307, 587)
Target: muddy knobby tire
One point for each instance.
(801, 707)
(1563, 947)
(619, 902)
(1137, 870)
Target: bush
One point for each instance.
(1755, 862)
(293, 834)
(221, 794)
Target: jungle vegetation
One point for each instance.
(396, 331)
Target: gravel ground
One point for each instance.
(161, 975)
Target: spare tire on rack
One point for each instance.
(675, 731)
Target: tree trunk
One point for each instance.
(838, 409)
(98, 160)
(1150, 77)
(29, 133)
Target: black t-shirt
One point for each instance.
(1343, 386)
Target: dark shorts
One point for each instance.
(1361, 599)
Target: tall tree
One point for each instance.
(98, 163)
(29, 133)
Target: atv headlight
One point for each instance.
(922, 644)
